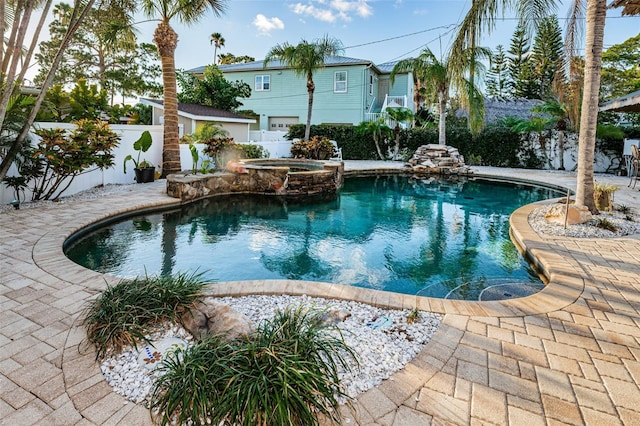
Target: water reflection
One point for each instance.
(441, 238)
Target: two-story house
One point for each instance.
(347, 91)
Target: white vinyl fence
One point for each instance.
(273, 142)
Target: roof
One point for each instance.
(331, 61)
(201, 112)
(626, 103)
(496, 108)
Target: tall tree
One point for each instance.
(217, 41)
(305, 58)
(520, 69)
(439, 77)
(621, 70)
(483, 15)
(166, 39)
(12, 78)
(546, 55)
(497, 77)
(118, 65)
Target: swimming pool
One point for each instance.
(431, 237)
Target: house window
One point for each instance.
(340, 82)
(263, 83)
(371, 84)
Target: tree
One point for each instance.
(520, 70)
(483, 14)
(399, 115)
(497, 77)
(213, 90)
(438, 77)
(620, 70)
(546, 55)
(230, 58)
(379, 131)
(305, 58)
(217, 41)
(12, 78)
(166, 39)
(117, 64)
(559, 113)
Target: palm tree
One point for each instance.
(399, 115)
(439, 76)
(166, 39)
(305, 58)
(559, 113)
(483, 15)
(217, 41)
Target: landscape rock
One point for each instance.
(438, 159)
(576, 214)
(211, 317)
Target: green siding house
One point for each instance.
(348, 91)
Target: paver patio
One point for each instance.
(567, 355)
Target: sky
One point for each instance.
(376, 30)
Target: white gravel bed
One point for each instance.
(381, 352)
(626, 224)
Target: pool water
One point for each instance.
(431, 237)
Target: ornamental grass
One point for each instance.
(123, 314)
(286, 373)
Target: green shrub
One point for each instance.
(317, 148)
(124, 313)
(253, 151)
(606, 224)
(222, 150)
(285, 374)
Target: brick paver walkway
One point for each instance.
(567, 355)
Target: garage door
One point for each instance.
(281, 123)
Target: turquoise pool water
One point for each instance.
(438, 238)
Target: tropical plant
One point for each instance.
(222, 150)
(284, 374)
(379, 132)
(230, 58)
(558, 112)
(59, 157)
(316, 148)
(398, 115)
(483, 15)
(166, 39)
(141, 145)
(212, 90)
(217, 41)
(304, 59)
(123, 314)
(14, 55)
(438, 77)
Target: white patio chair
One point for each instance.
(338, 152)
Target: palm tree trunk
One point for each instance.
(310, 88)
(166, 39)
(596, 14)
(442, 125)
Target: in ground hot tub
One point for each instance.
(285, 177)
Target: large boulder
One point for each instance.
(211, 317)
(575, 214)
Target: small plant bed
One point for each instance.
(332, 350)
(618, 222)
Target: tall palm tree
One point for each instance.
(166, 39)
(438, 77)
(483, 15)
(305, 58)
(217, 41)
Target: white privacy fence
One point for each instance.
(273, 142)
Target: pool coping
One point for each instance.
(94, 399)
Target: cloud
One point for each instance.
(333, 10)
(265, 25)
